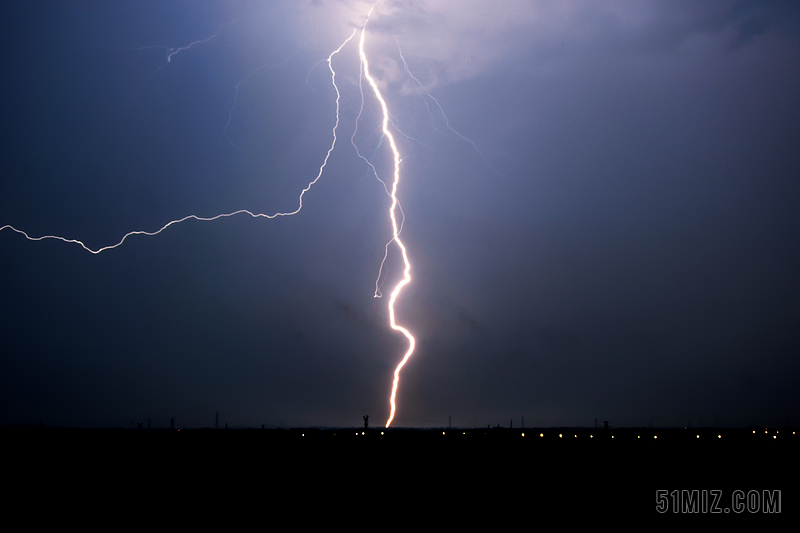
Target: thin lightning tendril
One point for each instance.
(223, 215)
(173, 51)
(169, 52)
(441, 110)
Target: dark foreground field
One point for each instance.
(481, 475)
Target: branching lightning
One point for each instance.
(223, 215)
(169, 52)
(439, 106)
(395, 209)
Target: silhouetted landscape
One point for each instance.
(567, 469)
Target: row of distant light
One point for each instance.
(776, 432)
(561, 436)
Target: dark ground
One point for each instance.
(448, 475)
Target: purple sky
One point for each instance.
(609, 230)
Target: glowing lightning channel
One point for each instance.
(223, 215)
(377, 293)
(395, 226)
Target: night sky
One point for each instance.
(605, 226)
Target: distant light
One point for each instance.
(719, 436)
(559, 435)
(362, 432)
(302, 434)
(576, 436)
(591, 436)
(699, 435)
(638, 437)
(523, 434)
(655, 436)
(442, 432)
(381, 432)
(774, 436)
(612, 436)
(754, 431)
(541, 434)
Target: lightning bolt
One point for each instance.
(395, 207)
(395, 226)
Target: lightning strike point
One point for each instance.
(395, 226)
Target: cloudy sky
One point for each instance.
(599, 197)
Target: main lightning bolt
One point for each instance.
(395, 226)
